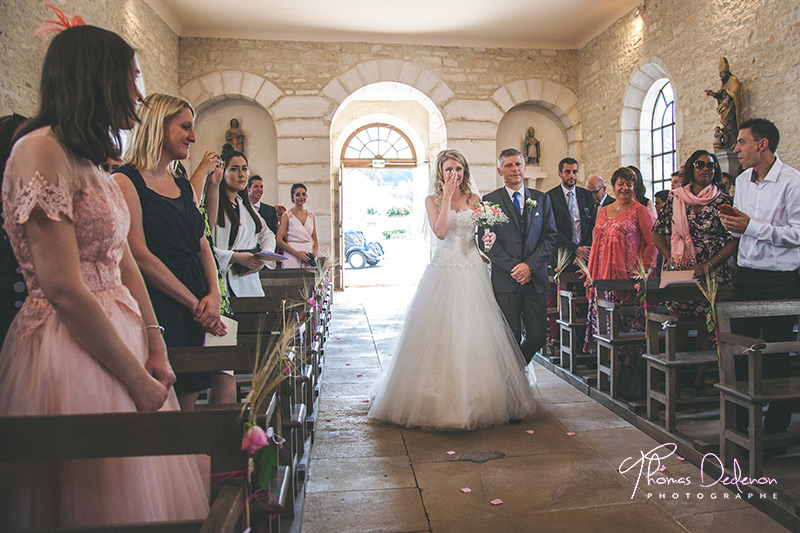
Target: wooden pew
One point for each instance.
(216, 432)
(241, 359)
(754, 393)
(664, 364)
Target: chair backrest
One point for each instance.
(750, 309)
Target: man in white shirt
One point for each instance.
(597, 186)
(767, 220)
(255, 190)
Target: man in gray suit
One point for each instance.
(520, 253)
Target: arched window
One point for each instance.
(662, 136)
(377, 146)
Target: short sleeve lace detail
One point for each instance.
(54, 198)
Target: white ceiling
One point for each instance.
(556, 24)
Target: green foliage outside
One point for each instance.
(398, 212)
(394, 234)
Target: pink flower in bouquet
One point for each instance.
(638, 287)
(312, 302)
(287, 369)
(254, 440)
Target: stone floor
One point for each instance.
(368, 476)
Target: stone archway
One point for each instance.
(649, 71)
(392, 76)
(556, 98)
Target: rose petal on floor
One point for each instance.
(451, 452)
(571, 434)
(496, 501)
(529, 432)
(466, 490)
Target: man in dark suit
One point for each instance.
(574, 212)
(520, 253)
(597, 186)
(255, 190)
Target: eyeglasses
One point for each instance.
(700, 165)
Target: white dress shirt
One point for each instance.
(771, 240)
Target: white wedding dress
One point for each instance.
(456, 364)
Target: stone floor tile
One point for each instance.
(525, 484)
(629, 518)
(356, 374)
(360, 473)
(510, 439)
(740, 520)
(557, 393)
(586, 416)
(331, 444)
(363, 511)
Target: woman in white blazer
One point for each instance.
(240, 232)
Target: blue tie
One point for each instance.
(516, 203)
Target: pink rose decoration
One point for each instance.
(254, 440)
(312, 302)
(638, 287)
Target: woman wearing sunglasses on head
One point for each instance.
(689, 234)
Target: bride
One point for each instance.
(456, 365)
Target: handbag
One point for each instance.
(241, 269)
(632, 383)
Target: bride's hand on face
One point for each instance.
(489, 238)
(452, 181)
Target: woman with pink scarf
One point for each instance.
(689, 234)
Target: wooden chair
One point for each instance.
(754, 393)
(573, 307)
(610, 339)
(664, 364)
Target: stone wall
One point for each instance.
(20, 68)
(302, 86)
(761, 39)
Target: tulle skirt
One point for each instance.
(456, 364)
(45, 371)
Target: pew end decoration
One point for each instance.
(271, 368)
(709, 285)
(563, 259)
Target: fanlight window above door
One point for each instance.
(378, 146)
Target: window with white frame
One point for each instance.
(660, 104)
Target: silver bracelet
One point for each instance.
(156, 326)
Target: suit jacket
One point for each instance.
(269, 215)
(528, 238)
(607, 200)
(587, 211)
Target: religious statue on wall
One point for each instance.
(729, 106)
(235, 136)
(532, 149)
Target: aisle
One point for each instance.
(367, 476)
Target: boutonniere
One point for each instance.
(531, 204)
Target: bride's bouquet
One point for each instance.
(487, 215)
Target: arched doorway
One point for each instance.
(382, 138)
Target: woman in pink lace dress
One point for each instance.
(622, 235)
(86, 340)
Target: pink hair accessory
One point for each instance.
(61, 24)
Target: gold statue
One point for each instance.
(729, 106)
(235, 136)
